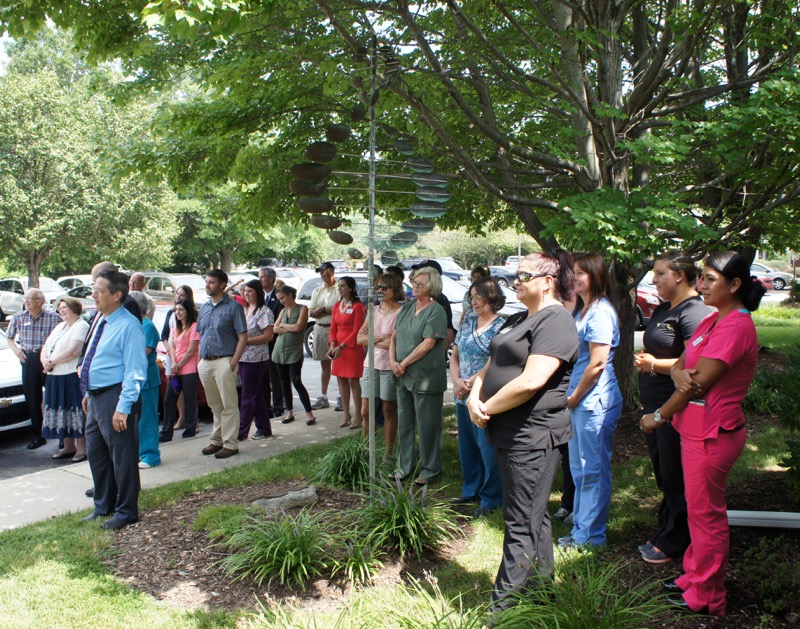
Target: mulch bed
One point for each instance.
(163, 556)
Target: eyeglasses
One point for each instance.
(523, 277)
(474, 299)
(381, 287)
(419, 284)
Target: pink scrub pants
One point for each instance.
(706, 465)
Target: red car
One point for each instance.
(647, 300)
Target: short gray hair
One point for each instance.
(434, 280)
(145, 303)
(269, 271)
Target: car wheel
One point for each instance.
(780, 283)
(502, 281)
(308, 340)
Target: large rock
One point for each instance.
(293, 498)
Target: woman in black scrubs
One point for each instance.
(673, 322)
(520, 398)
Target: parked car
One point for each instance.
(11, 303)
(71, 281)
(84, 295)
(13, 408)
(766, 280)
(291, 275)
(512, 262)
(18, 285)
(504, 275)
(780, 279)
(161, 286)
(449, 268)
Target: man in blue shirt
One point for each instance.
(223, 338)
(113, 371)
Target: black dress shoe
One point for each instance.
(670, 586)
(680, 603)
(163, 439)
(90, 492)
(94, 515)
(116, 523)
(38, 442)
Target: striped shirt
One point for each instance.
(31, 332)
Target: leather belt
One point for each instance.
(215, 357)
(32, 351)
(323, 325)
(99, 390)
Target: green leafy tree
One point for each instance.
(55, 199)
(624, 127)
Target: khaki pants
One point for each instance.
(220, 385)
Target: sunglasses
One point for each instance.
(381, 287)
(523, 277)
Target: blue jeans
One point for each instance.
(590, 462)
(479, 473)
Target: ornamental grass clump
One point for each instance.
(287, 548)
(406, 519)
(346, 465)
(587, 593)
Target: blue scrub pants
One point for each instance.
(148, 428)
(479, 473)
(590, 462)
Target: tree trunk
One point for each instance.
(33, 262)
(628, 322)
(225, 261)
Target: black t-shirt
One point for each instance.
(544, 419)
(448, 312)
(664, 338)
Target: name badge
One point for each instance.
(697, 341)
(349, 311)
(27, 323)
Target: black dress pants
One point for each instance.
(33, 378)
(672, 533)
(273, 390)
(113, 457)
(527, 477)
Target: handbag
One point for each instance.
(175, 384)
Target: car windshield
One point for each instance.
(50, 285)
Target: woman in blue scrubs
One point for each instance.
(594, 401)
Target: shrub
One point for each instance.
(288, 548)
(773, 573)
(406, 518)
(586, 594)
(357, 561)
(346, 465)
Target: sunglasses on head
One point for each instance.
(523, 277)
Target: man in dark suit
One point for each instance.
(273, 392)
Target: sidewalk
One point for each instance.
(53, 492)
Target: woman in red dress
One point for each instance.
(345, 352)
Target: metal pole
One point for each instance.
(370, 262)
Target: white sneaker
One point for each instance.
(321, 402)
(144, 466)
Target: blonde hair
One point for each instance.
(434, 285)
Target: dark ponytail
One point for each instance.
(733, 265)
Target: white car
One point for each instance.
(68, 282)
(780, 279)
(13, 408)
(84, 295)
(12, 292)
(291, 275)
(512, 262)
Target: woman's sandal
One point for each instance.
(311, 422)
(345, 423)
(78, 458)
(355, 426)
(64, 455)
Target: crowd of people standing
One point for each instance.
(529, 390)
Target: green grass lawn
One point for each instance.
(51, 573)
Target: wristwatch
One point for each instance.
(657, 416)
